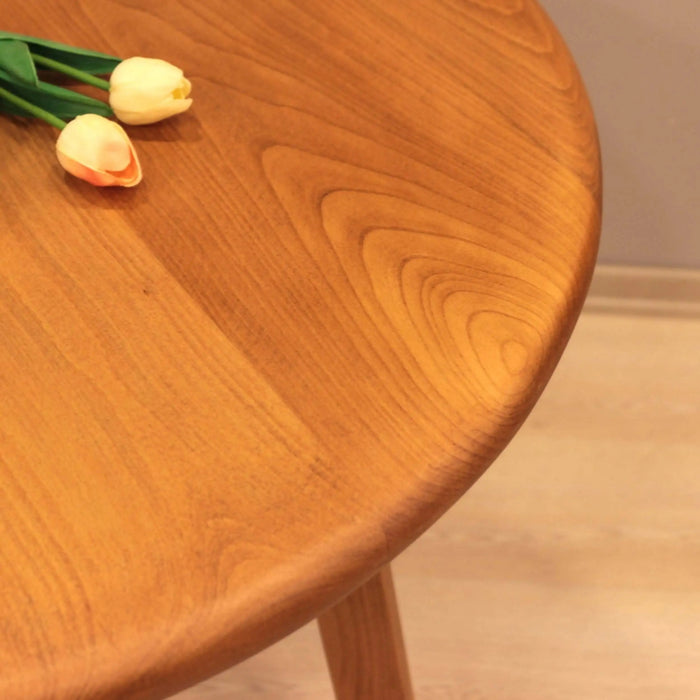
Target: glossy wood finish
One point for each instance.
(232, 393)
(570, 568)
(364, 645)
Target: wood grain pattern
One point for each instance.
(363, 643)
(570, 568)
(230, 394)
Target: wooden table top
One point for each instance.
(233, 392)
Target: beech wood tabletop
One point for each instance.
(229, 395)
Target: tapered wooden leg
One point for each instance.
(364, 646)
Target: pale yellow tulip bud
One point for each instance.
(146, 90)
(98, 150)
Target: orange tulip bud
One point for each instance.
(98, 150)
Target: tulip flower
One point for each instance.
(91, 147)
(146, 90)
(98, 150)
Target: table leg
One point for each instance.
(364, 645)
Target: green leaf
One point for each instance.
(16, 60)
(83, 59)
(60, 101)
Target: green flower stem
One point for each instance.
(32, 109)
(72, 72)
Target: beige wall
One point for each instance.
(640, 60)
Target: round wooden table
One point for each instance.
(232, 394)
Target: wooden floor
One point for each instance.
(572, 569)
